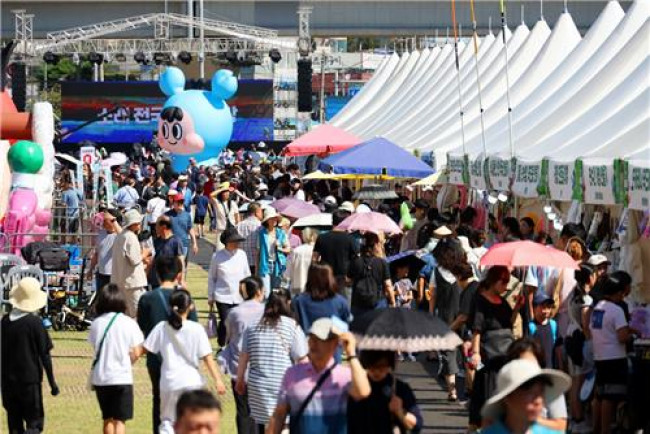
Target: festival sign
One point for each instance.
(638, 181)
(457, 167)
(499, 171)
(528, 176)
(477, 173)
(598, 179)
(560, 180)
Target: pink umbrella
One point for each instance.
(525, 253)
(370, 222)
(295, 208)
(324, 139)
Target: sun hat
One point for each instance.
(27, 295)
(231, 235)
(513, 375)
(363, 208)
(442, 231)
(132, 217)
(224, 186)
(328, 328)
(598, 260)
(182, 178)
(269, 213)
(347, 206)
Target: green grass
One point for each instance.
(76, 409)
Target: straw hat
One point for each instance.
(442, 231)
(224, 186)
(269, 213)
(132, 217)
(515, 374)
(27, 295)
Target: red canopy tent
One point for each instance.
(324, 139)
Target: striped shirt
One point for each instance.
(248, 229)
(326, 413)
(271, 350)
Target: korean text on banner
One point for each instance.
(477, 173)
(456, 165)
(528, 176)
(638, 181)
(598, 179)
(560, 180)
(499, 171)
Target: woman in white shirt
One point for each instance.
(182, 344)
(113, 336)
(609, 334)
(156, 206)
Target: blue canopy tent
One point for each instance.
(376, 156)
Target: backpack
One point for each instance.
(532, 328)
(365, 293)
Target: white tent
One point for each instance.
(571, 97)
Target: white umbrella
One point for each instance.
(314, 220)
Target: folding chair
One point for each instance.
(15, 274)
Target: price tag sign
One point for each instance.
(560, 180)
(598, 179)
(528, 175)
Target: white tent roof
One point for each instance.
(571, 97)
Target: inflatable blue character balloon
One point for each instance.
(195, 123)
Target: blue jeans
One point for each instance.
(270, 282)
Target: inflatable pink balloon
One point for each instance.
(20, 219)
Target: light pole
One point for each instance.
(201, 42)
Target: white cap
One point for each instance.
(597, 260)
(442, 231)
(328, 328)
(347, 206)
(363, 208)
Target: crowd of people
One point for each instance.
(283, 299)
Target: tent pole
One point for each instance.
(478, 76)
(460, 93)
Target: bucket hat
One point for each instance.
(27, 295)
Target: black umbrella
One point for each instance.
(403, 330)
(374, 192)
(409, 258)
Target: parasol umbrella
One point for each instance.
(321, 220)
(409, 258)
(295, 208)
(375, 192)
(370, 222)
(403, 330)
(526, 253)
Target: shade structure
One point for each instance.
(322, 220)
(294, 208)
(403, 330)
(375, 192)
(370, 222)
(436, 178)
(324, 139)
(377, 156)
(527, 253)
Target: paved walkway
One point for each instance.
(440, 416)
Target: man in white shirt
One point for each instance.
(227, 268)
(156, 206)
(128, 258)
(247, 228)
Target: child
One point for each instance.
(113, 336)
(181, 344)
(201, 201)
(25, 353)
(543, 328)
(403, 289)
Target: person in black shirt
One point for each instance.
(370, 266)
(26, 348)
(337, 249)
(165, 244)
(391, 403)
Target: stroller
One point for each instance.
(67, 303)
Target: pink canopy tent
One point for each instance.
(324, 139)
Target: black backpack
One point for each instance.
(365, 293)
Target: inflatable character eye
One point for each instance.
(177, 131)
(165, 130)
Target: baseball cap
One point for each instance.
(347, 206)
(328, 328)
(598, 259)
(541, 298)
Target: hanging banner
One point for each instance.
(638, 181)
(499, 173)
(80, 179)
(108, 184)
(560, 180)
(528, 176)
(477, 173)
(456, 166)
(598, 179)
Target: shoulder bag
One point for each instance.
(89, 383)
(294, 419)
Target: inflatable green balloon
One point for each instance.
(406, 220)
(25, 157)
